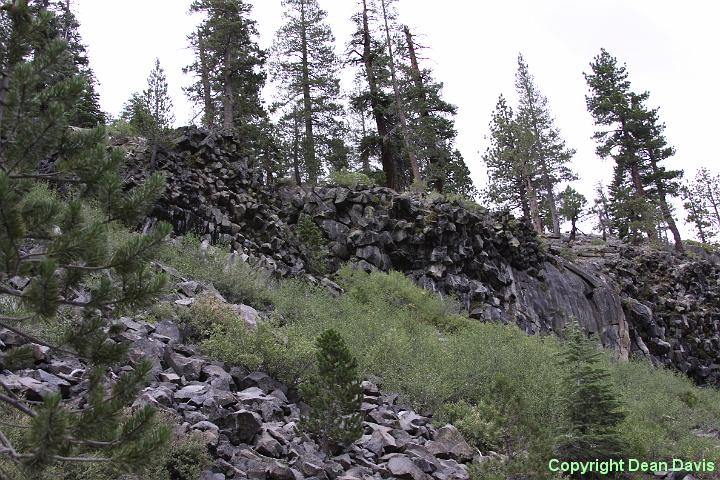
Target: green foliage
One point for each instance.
(237, 281)
(49, 235)
(592, 407)
(418, 345)
(334, 395)
(182, 458)
(306, 67)
(313, 243)
(345, 178)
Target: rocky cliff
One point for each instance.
(638, 301)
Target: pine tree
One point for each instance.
(593, 412)
(160, 105)
(572, 206)
(229, 65)
(611, 103)
(432, 125)
(64, 25)
(601, 210)
(700, 198)
(370, 53)
(709, 187)
(306, 67)
(150, 113)
(511, 178)
(48, 169)
(335, 395)
(546, 151)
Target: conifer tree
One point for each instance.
(545, 150)
(511, 177)
(593, 411)
(335, 395)
(572, 206)
(601, 210)
(700, 201)
(306, 67)
(229, 66)
(368, 52)
(611, 103)
(160, 106)
(48, 236)
(708, 186)
(150, 113)
(432, 124)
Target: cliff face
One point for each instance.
(638, 302)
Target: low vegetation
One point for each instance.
(502, 388)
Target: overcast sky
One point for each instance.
(670, 48)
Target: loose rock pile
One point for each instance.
(249, 420)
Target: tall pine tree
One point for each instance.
(512, 178)
(545, 150)
(306, 67)
(229, 69)
(614, 109)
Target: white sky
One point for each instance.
(670, 48)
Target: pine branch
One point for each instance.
(16, 403)
(34, 339)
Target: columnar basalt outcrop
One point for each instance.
(637, 302)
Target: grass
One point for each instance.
(422, 346)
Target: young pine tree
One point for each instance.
(335, 395)
(572, 206)
(49, 237)
(591, 407)
(150, 113)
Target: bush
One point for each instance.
(421, 346)
(345, 178)
(312, 243)
(238, 282)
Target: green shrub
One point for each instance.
(598, 242)
(502, 387)
(238, 282)
(206, 315)
(312, 243)
(345, 178)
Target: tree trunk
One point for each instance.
(209, 117)
(665, 208)
(311, 165)
(436, 177)
(228, 113)
(713, 202)
(399, 106)
(534, 208)
(573, 230)
(388, 163)
(296, 147)
(524, 205)
(364, 152)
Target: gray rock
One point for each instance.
(187, 367)
(241, 426)
(449, 443)
(403, 467)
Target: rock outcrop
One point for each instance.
(636, 301)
